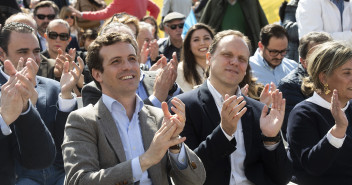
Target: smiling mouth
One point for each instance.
(203, 49)
(231, 71)
(127, 77)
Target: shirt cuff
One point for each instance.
(272, 147)
(66, 105)
(334, 141)
(5, 129)
(29, 108)
(136, 170)
(227, 136)
(180, 158)
(155, 101)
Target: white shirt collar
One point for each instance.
(109, 102)
(318, 100)
(219, 100)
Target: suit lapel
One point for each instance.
(108, 125)
(208, 104)
(247, 126)
(149, 127)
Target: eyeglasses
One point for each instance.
(274, 52)
(63, 36)
(174, 26)
(72, 17)
(42, 16)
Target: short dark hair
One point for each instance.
(272, 30)
(8, 29)
(95, 60)
(311, 38)
(43, 4)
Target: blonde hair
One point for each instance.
(325, 59)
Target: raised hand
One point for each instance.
(70, 76)
(232, 111)
(266, 95)
(165, 80)
(162, 141)
(161, 63)
(180, 114)
(341, 122)
(144, 53)
(154, 49)
(59, 63)
(244, 90)
(271, 123)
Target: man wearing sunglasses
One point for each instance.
(43, 13)
(268, 63)
(173, 26)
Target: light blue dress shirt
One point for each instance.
(266, 74)
(131, 138)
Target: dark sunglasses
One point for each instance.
(63, 36)
(42, 16)
(174, 26)
(72, 17)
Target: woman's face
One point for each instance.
(200, 41)
(70, 19)
(341, 80)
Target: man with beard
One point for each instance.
(43, 13)
(268, 63)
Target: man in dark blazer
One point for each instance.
(23, 135)
(236, 138)
(120, 140)
(54, 102)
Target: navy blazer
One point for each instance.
(30, 143)
(204, 135)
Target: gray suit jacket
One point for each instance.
(93, 152)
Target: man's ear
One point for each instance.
(97, 75)
(260, 45)
(2, 55)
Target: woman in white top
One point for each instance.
(190, 71)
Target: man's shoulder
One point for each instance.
(289, 63)
(48, 82)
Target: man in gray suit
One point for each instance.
(120, 140)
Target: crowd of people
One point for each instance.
(94, 94)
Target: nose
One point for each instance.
(126, 65)
(234, 61)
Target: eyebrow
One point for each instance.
(23, 49)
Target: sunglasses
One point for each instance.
(42, 16)
(174, 26)
(63, 36)
(72, 17)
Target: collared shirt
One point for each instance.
(318, 100)
(340, 5)
(131, 138)
(65, 105)
(266, 74)
(238, 156)
(166, 48)
(42, 41)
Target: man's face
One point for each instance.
(174, 29)
(144, 36)
(229, 62)
(121, 70)
(43, 17)
(24, 45)
(57, 37)
(275, 51)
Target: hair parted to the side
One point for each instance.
(272, 30)
(95, 60)
(311, 38)
(43, 4)
(325, 59)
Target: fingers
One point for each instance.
(264, 112)
(20, 64)
(9, 68)
(179, 109)
(174, 56)
(244, 90)
(66, 67)
(165, 109)
(272, 86)
(266, 88)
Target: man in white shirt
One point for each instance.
(119, 139)
(236, 138)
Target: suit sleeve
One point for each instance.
(90, 95)
(81, 159)
(36, 148)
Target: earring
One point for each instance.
(326, 89)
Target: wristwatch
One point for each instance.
(176, 147)
(276, 139)
(173, 89)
